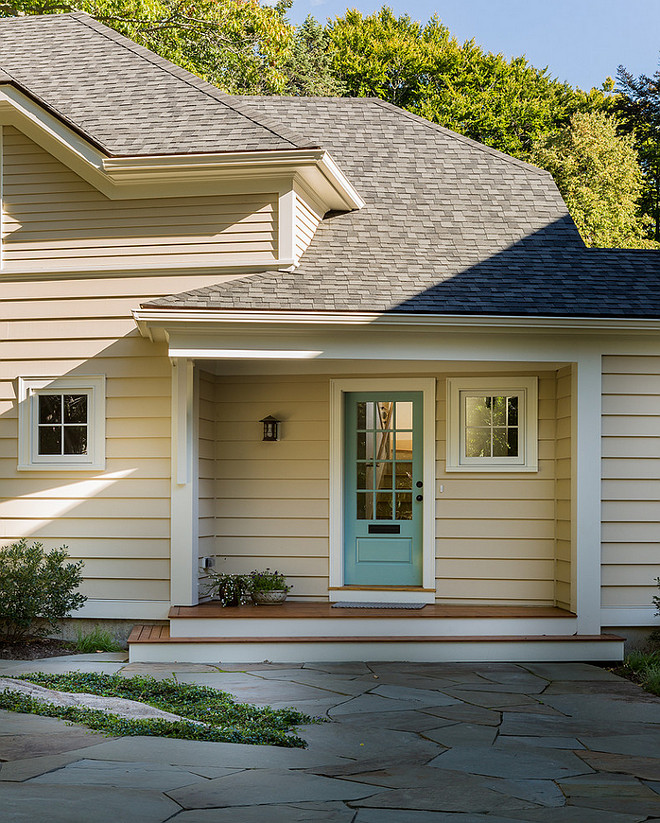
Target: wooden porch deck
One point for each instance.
(306, 610)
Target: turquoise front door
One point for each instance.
(383, 485)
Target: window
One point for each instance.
(61, 423)
(492, 424)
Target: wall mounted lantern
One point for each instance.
(271, 428)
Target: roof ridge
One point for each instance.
(191, 79)
(457, 136)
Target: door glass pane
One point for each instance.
(404, 445)
(50, 409)
(478, 411)
(385, 415)
(50, 439)
(75, 408)
(404, 478)
(403, 506)
(361, 476)
(365, 507)
(404, 415)
(383, 476)
(384, 506)
(384, 445)
(361, 445)
(477, 442)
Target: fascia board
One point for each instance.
(162, 175)
(205, 319)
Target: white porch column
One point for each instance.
(586, 459)
(183, 517)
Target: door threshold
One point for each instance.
(379, 589)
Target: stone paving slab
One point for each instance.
(532, 762)
(647, 768)
(29, 803)
(23, 746)
(407, 816)
(330, 812)
(158, 776)
(463, 734)
(18, 770)
(510, 741)
(569, 671)
(575, 814)
(255, 787)
(590, 707)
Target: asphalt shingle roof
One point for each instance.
(123, 97)
(450, 227)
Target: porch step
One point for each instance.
(320, 620)
(154, 644)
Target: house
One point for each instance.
(468, 398)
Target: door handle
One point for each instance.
(419, 498)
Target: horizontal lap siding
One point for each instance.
(272, 498)
(495, 532)
(563, 485)
(53, 219)
(307, 221)
(631, 481)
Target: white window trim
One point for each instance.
(29, 388)
(426, 385)
(527, 389)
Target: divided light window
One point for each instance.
(492, 424)
(61, 423)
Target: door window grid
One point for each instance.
(384, 460)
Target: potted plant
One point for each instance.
(268, 587)
(229, 589)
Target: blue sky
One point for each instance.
(581, 41)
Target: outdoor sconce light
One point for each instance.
(271, 428)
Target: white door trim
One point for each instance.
(426, 385)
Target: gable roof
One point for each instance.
(124, 98)
(450, 227)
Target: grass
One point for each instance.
(228, 721)
(642, 668)
(96, 641)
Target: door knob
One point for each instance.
(419, 498)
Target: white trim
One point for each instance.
(184, 505)
(586, 504)
(99, 608)
(29, 389)
(642, 616)
(570, 325)
(426, 385)
(286, 225)
(526, 388)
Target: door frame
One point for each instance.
(338, 388)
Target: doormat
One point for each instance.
(352, 605)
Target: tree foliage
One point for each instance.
(238, 45)
(309, 69)
(599, 177)
(507, 104)
(638, 108)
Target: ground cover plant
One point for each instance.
(228, 721)
(642, 668)
(97, 640)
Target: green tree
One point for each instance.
(599, 178)
(638, 108)
(238, 45)
(507, 104)
(309, 69)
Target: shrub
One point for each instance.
(36, 584)
(656, 598)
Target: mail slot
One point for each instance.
(384, 528)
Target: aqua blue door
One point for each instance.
(383, 490)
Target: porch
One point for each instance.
(302, 631)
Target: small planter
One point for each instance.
(268, 598)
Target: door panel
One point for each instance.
(382, 482)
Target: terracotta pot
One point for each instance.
(269, 597)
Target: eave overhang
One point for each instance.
(142, 176)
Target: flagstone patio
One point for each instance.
(407, 743)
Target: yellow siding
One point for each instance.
(307, 221)
(496, 533)
(563, 488)
(631, 485)
(55, 221)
